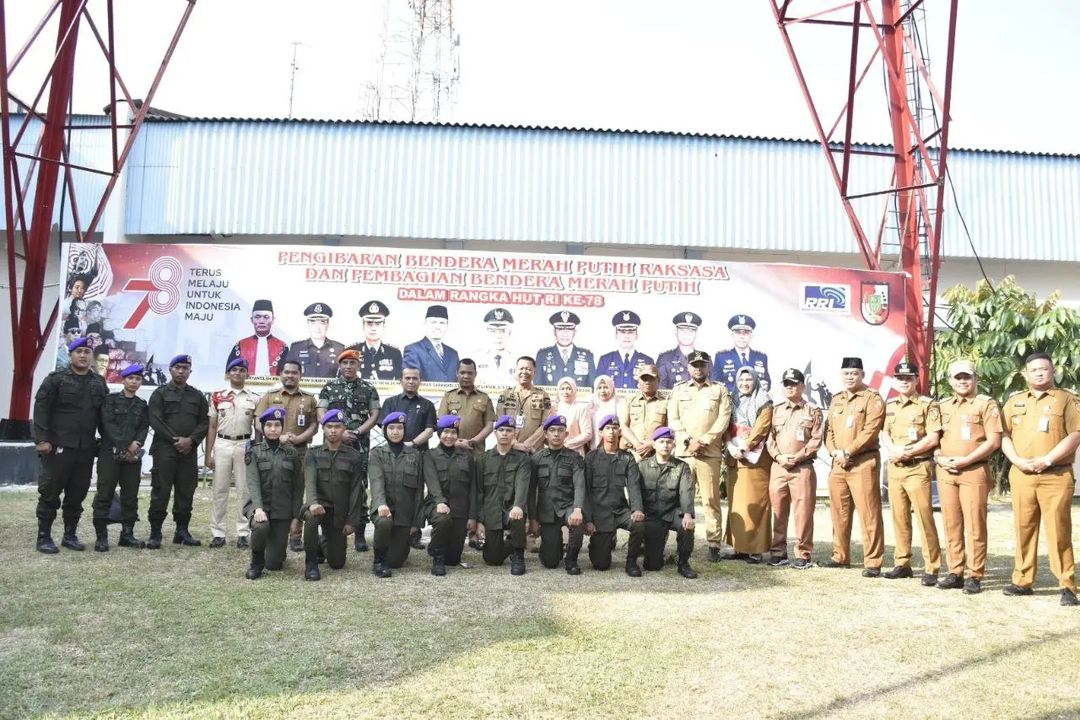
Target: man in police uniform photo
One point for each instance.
(726, 363)
(622, 362)
(262, 351)
(317, 353)
(564, 358)
(674, 364)
(378, 360)
(496, 364)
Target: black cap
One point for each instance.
(499, 316)
(564, 317)
(793, 375)
(318, 309)
(905, 368)
(262, 306)
(687, 318)
(741, 322)
(851, 362)
(626, 317)
(373, 309)
(698, 356)
(437, 311)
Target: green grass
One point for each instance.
(179, 633)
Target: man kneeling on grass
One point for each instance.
(613, 499)
(668, 500)
(276, 483)
(502, 496)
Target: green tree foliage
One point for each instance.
(998, 328)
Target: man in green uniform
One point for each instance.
(334, 495)
(455, 469)
(611, 477)
(125, 422)
(398, 474)
(502, 496)
(179, 416)
(667, 498)
(66, 411)
(275, 482)
(557, 497)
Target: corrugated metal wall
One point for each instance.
(564, 186)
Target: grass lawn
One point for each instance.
(180, 633)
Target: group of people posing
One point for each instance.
(541, 479)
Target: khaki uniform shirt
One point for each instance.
(909, 419)
(699, 412)
(300, 408)
(643, 415)
(1037, 424)
(529, 408)
(797, 429)
(965, 423)
(855, 420)
(235, 411)
(474, 408)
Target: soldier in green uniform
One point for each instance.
(65, 419)
(398, 474)
(668, 503)
(557, 497)
(334, 495)
(179, 416)
(125, 422)
(275, 482)
(358, 400)
(502, 496)
(611, 477)
(455, 469)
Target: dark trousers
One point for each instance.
(334, 539)
(173, 471)
(270, 538)
(551, 552)
(111, 473)
(393, 540)
(496, 549)
(601, 544)
(457, 529)
(656, 534)
(64, 471)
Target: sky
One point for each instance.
(716, 67)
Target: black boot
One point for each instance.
(311, 567)
(632, 567)
(45, 542)
(182, 536)
(101, 530)
(71, 540)
(517, 561)
(360, 542)
(378, 568)
(438, 563)
(257, 564)
(127, 537)
(684, 566)
(570, 563)
(154, 541)
(416, 540)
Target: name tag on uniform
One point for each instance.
(912, 434)
(965, 432)
(1044, 424)
(800, 435)
(301, 420)
(850, 421)
(581, 367)
(520, 421)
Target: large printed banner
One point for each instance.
(580, 317)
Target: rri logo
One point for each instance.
(825, 298)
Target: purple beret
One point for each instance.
(394, 417)
(504, 421)
(278, 413)
(180, 360)
(448, 421)
(555, 420)
(663, 432)
(78, 343)
(608, 420)
(238, 362)
(133, 369)
(333, 416)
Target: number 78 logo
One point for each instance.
(161, 291)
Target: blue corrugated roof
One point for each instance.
(415, 180)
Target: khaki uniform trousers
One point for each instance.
(963, 509)
(229, 468)
(708, 475)
(1046, 496)
(909, 489)
(793, 490)
(857, 489)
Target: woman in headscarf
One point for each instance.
(604, 402)
(579, 421)
(749, 528)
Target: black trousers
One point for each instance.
(270, 538)
(393, 540)
(111, 473)
(601, 544)
(656, 535)
(173, 471)
(334, 539)
(496, 549)
(454, 542)
(64, 471)
(551, 552)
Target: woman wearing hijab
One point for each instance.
(579, 420)
(604, 402)
(749, 529)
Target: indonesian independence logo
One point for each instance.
(874, 302)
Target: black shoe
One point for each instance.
(1068, 598)
(735, 556)
(45, 543)
(972, 586)
(217, 542)
(71, 540)
(871, 573)
(714, 554)
(183, 537)
(830, 563)
(684, 568)
(801, 563)
(632, 567)
(952, 581)
(311, 571)
(899, 572)
(360, 544)
(1016, 590)
(438, 564)
(255, 572)
(754, 559)
(296, 545)
(101, 535)
(778, 560)
(378, 566)
(571, 565)
(517, 562)
(416, 541)
(242, 543)
(929, 579)
(154, 541)
(101, 544)
(128, 539)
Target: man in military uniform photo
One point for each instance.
(179, 415)
(621, 364)
(262, 351)
(378, 360)
(528, 405)
(1042, 432)
(612, 499)
(436, 360)
(66, 412)
(504, 475)
(564, 358)
(275, 480)
(667, 499)
(642, 414)
(335, 498)
(557, 497)
(495, 364)
(912, 431)
(231, 413)
(674, 364)
(455, 469)
(125, 422)
(856, 417)
(727, 362)
(317, 353)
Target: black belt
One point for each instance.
(234, 437)
(912, 461)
